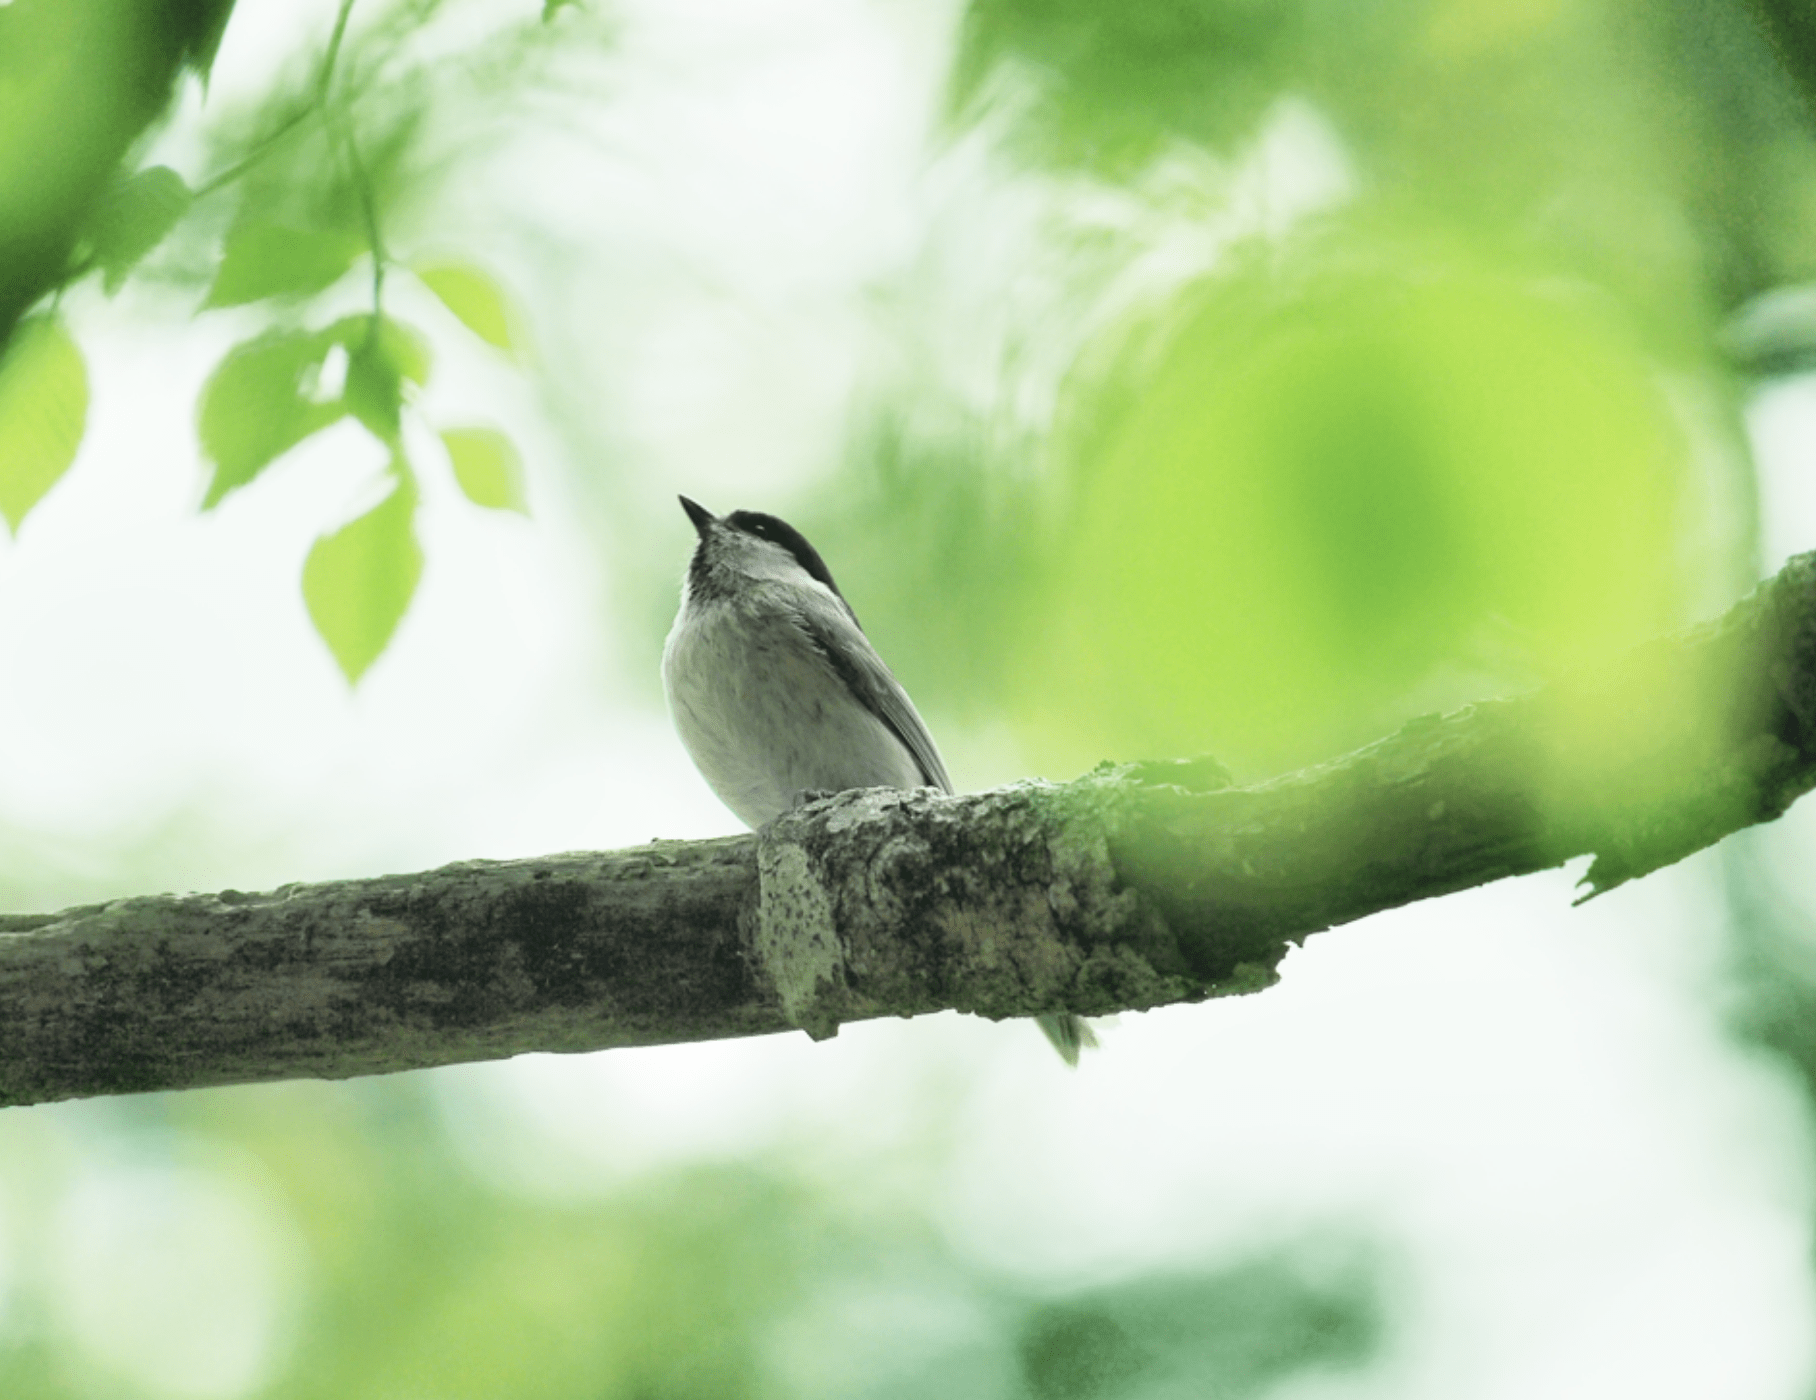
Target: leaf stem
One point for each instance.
(340, 130)
(258, 152)
(362, 183)
(334, 47)
(323, 82)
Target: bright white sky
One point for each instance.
(1591, 1191)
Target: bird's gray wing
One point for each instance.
(838, 638)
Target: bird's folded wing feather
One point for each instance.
(839, 639)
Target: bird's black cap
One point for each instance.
(767, 527)
(762, 527)
(699, 514)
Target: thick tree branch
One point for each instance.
(1135, 886)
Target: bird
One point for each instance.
(777, 694)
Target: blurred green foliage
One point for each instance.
(392, 1270)
(358, 581)
(261, 260)
(257, 405)
(487, 468)
(1327, 495)
(1598, 125)
(1791, 26)
(1466, 425)
(1431, 443)
(1240, 1332)
(43, 408)
(303, 190)
(382, 357)
(79, 81)
(478, 300)
(1129, 75)
(135, 215)
(1585, 180)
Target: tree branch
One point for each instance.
(1135, 886)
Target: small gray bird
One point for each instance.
(777, 693)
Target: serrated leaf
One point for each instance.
(474, 297)
(134, 218)
(271, 260)
(358, 581)
(381, 355)
(487, 467)
(43, 410)
(256, 406)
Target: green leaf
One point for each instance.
(472, 295)
(375, 390)
(407, 348)
(551, 8)
(487, 467)
(271, 260)
(381, 355)
(358, 581)
(257, 405)
(134, 218)
(207, 21)
(404, 346)
(43, 409)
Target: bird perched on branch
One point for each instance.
(778, 694)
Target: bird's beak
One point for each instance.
(699, 514)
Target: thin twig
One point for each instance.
(340, 130)
(362, 183)
(333, 54)
(323, 82)
(258, 153)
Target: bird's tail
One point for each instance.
(1069, 1035)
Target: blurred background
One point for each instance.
(1157, 379)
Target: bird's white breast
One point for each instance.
(765, 717)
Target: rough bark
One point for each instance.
(1135, 886)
